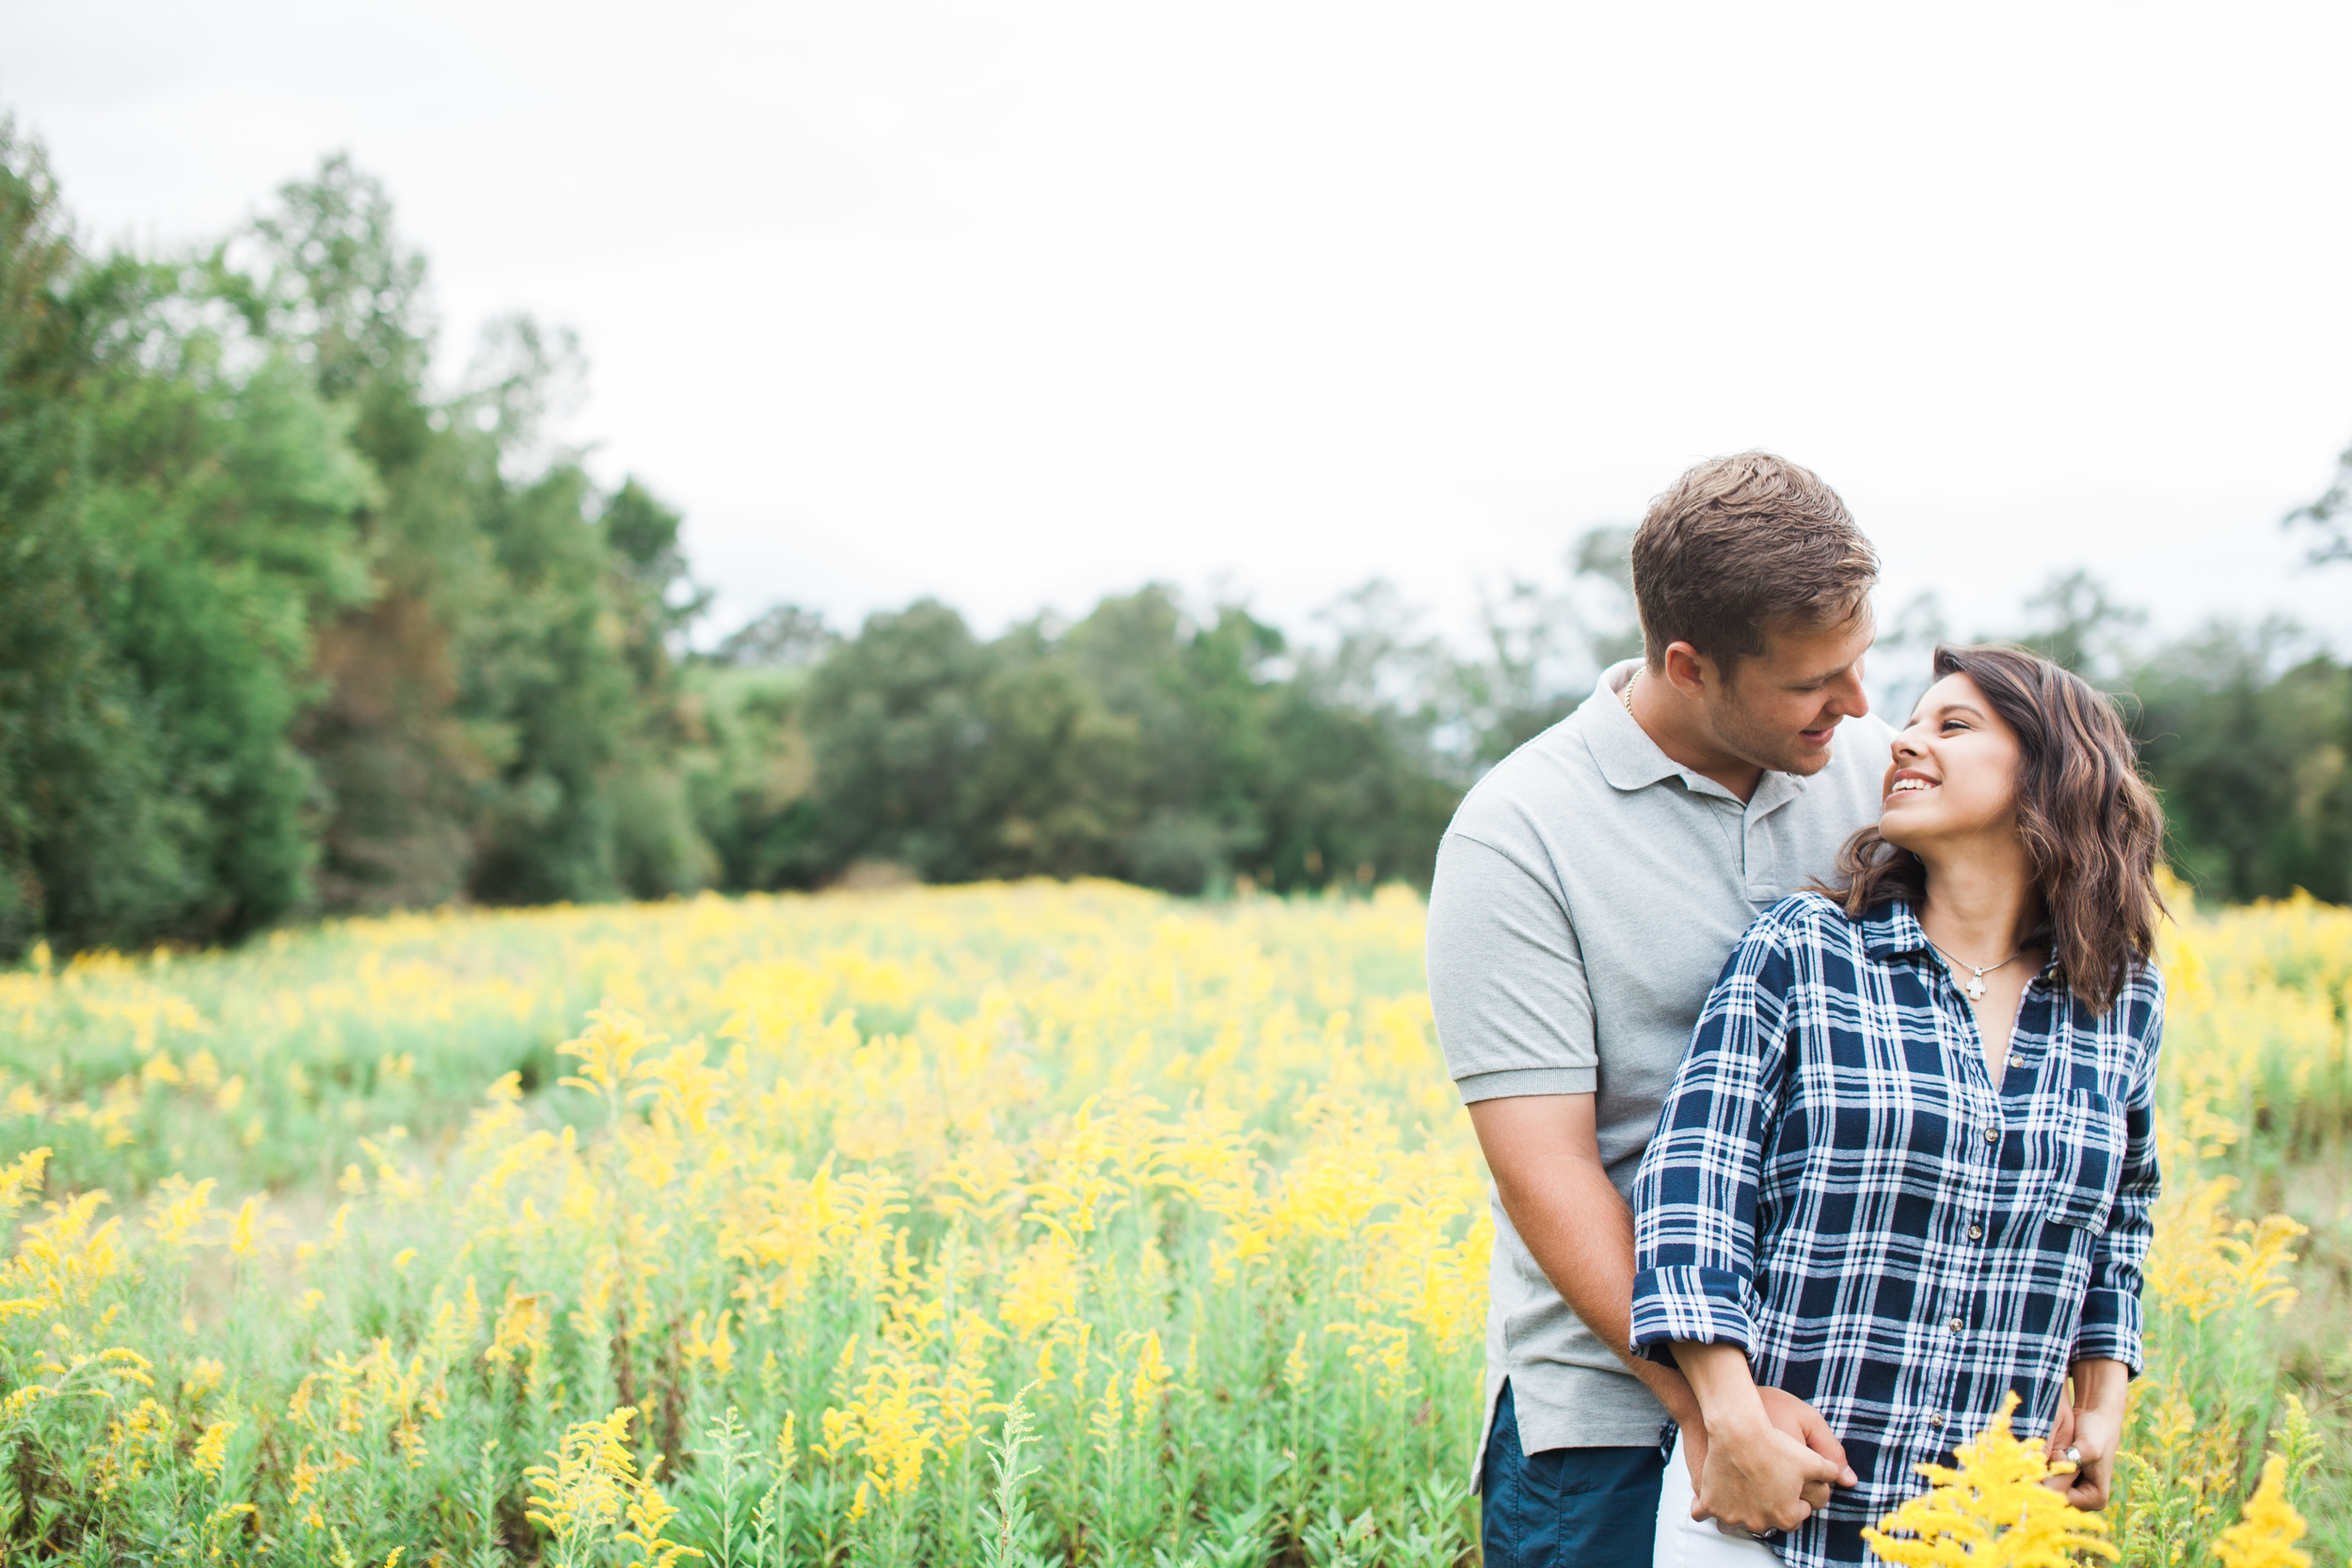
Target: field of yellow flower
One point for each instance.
(1000, 1225)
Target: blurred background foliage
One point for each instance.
(289, 624)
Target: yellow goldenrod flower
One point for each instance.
(204, 1375)
(2266, 1531)
(1993, 1510)
(712, 1345)
(212, 1448)
(21, 1180)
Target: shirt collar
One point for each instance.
(1627, 757)
(1631, 760)
(1892, 930)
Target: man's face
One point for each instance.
(1780, 709)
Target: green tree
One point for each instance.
(2244, 732)
(1543, 647)
(2328, 518)
(895, 725)
(750, 777)
(503, 714)
(178, 511)
(1194, 697)
(2073, 621)
(402, 763)
(284, 627)
(1360, 787)
(1052, 789)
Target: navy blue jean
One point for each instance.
(1566, 1507)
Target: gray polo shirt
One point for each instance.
(1586, 896)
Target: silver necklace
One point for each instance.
(1975, 988)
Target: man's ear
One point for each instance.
(1689, 671)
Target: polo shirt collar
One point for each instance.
(1627, 757)
(1631, 760)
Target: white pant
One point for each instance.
(1687, 1543)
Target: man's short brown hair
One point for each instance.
(1741, 548)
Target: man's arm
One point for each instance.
(1545, 1153)
(1515, 1018)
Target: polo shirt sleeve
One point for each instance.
(1506, 978)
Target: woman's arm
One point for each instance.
(2110, 1325)
(2108, 1351)
(1694, 1195)
(1695, 1240)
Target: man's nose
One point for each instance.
(1854, 701)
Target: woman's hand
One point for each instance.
(2089, 1427)
(2062, 1438)
(2096, 1433)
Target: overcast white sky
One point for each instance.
(1019, 303)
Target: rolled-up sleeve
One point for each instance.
(2111, 1326)
(1506, 978)
(1695, 1195)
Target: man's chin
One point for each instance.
(1803, 760)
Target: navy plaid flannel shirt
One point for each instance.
(1835, 1186)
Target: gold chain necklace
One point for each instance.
(1630, 681)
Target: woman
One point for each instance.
(1907, 1165)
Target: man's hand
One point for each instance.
(1757, 1478)
(1788, 1413)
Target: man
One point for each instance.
(1587, 894)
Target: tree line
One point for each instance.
(285, 627)
(290, 624)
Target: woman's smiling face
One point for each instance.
(1954, 773)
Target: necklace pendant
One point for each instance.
(1975, 988)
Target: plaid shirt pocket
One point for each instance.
(2088, 1164)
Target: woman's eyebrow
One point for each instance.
(1945, 710)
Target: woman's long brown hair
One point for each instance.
(2091, 826)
